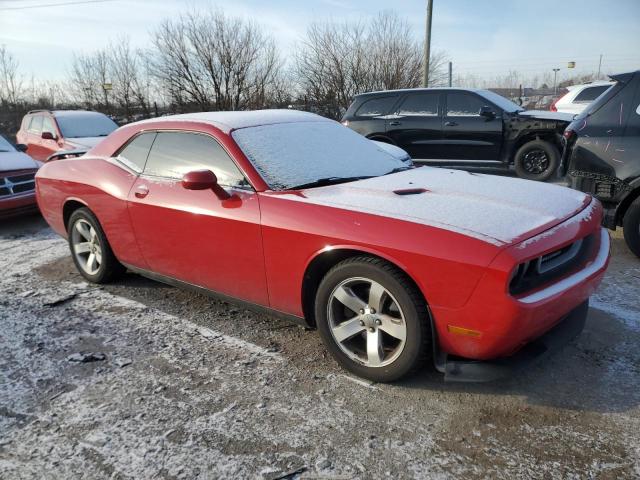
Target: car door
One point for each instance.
(416, 126)
(49, 146)
(468, 136)
(34, 138)
(191, 235)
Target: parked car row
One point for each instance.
(17, 180)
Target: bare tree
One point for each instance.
(211, 60)
(339, 60)
(88, 77)
(10, 79)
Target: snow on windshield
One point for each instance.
(290, 154)
(85, 125)
(5, 146)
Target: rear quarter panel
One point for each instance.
(99, 184)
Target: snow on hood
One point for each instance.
(16, 161)
(498, 210)
(548, 115)
(82, 143)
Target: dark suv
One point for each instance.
(462, 127)
(602, 154)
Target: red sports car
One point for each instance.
(297, 214)
(17, 183)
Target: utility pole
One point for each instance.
(450, 73)
(555, 84)
(599, 66)
(427, 44)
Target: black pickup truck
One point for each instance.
(462, 127)
(602, 154)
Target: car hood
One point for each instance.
(16, 161)
(548, 115)
(498, 210)
(83, 143)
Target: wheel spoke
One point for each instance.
(98, 257)
(347, 329)
(375, 296)
(391, 326)
(83, 229)
(346, 296)
(82, 247)
(91, 262)
(92, 234)
(374, 348)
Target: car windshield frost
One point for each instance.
(5, 146)
(84, 125)
(292, 154)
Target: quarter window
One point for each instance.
(589, 94)
(173, 154)
(463, 105)
(135, 154)
(423, 105)
(376, 107)
(35, 126)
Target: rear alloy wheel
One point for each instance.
(631, 226)
(90, 249)
(536, 160)
(372, 319)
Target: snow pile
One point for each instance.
(290, 154)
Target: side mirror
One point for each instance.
(204, 180)
(487, 112)
(48, 136)
(21, 147)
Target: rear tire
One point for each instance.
(90, 249)
(631, 226)
(536, 160)
(383, 331)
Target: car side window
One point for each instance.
(589, 94)
(376, 107)
(420, 104)
(463, 105)
(48, 126)
(35, 126)
(134, 154)
(175, 153)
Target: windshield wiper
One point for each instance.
(322, 182)
(5, 151)
(399, 169)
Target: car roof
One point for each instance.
(421, 89)
(73, 113)
(228, 121)
(597, 83)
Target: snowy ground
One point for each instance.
(194, 388)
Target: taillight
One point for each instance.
(568, 134)
(553, 107)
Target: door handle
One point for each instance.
(451, 124)
(141, 191)
(395, 123)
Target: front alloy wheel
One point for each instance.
(86, 247)
(373, 319)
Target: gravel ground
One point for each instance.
(183, 386)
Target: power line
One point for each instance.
(62, 4)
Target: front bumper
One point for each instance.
(16, 205)
(463, 370)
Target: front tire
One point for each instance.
(373, 319)
(536, 160)
(631, 227)
(90, 249)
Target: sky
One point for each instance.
(485, 38)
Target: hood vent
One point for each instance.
(410, 191)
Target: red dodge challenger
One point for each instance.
(297, 214)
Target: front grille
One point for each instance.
(551, 266)
(13, 184)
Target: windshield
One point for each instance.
(5, 146)
(85, 124)
(291, 154)
(505, 104)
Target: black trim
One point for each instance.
(174, 282)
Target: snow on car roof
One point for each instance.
(228, 121)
